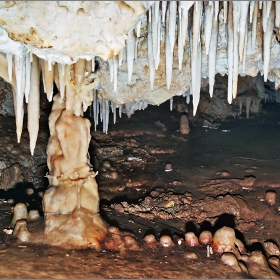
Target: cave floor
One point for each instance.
(138, 149)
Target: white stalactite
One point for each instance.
(252, 7)
(171, 104)
(216, 5)
(168, 55)
(277, 13)
(212, 55)
(157, 59)
(244, 5)
(155, 24)
(138, 28)
(33, 108)
(182, 34)
(172, 23)
(27, 77)
(19, 95)
(111, 69)
(267, 42)
(48, 77)
(115, 65)
(62, 79)
(9, 58)
(208, 19)
(236, 15)
(196, 78)
(151, 57)
(264, 16)
(163, 10)
(230, 51)
(130, 50)
(225, 11)
(196, 27)
(254, 26)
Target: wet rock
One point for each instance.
(191, 256)
(231, 260)
(271, 248)
(270, 197)
(11, 176)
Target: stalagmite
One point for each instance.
(267, 42)
(9, 57)
(33, 109)
(48, 77)
(151, 57)
(71, 202)
(230, 51)
(168, 55)
(244, 5)
(130, 46)
(208, 19)
(172, 23)
(212, 55)
(254, 26)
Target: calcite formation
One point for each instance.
(126, 55)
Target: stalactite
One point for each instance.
(163, 10)
(138, 28)
(79, 73)
(230, 51)
(212, 55)
(277, 13)
(252, 7)
(260, 4)
(19, 94)
(115, 65)
(244, 5)
(264, 16)
(183, 26)
(172, 23)
(33, 109)
(130, 49)
(196, 77)
(236, 15)
(216, 5)
(208, 19)
(120, 110)
(151, 57)
(48, 77)
(27, 77)
(157, 59)
(111, 69)
(121, 54)
(225, 11)
(155, 23)
(94, 105)
(245, 47)
(62, 79)
(171, 103)
(254, 26)
(196, 27)
(168, 55)
(267, 42)
(9, 58)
